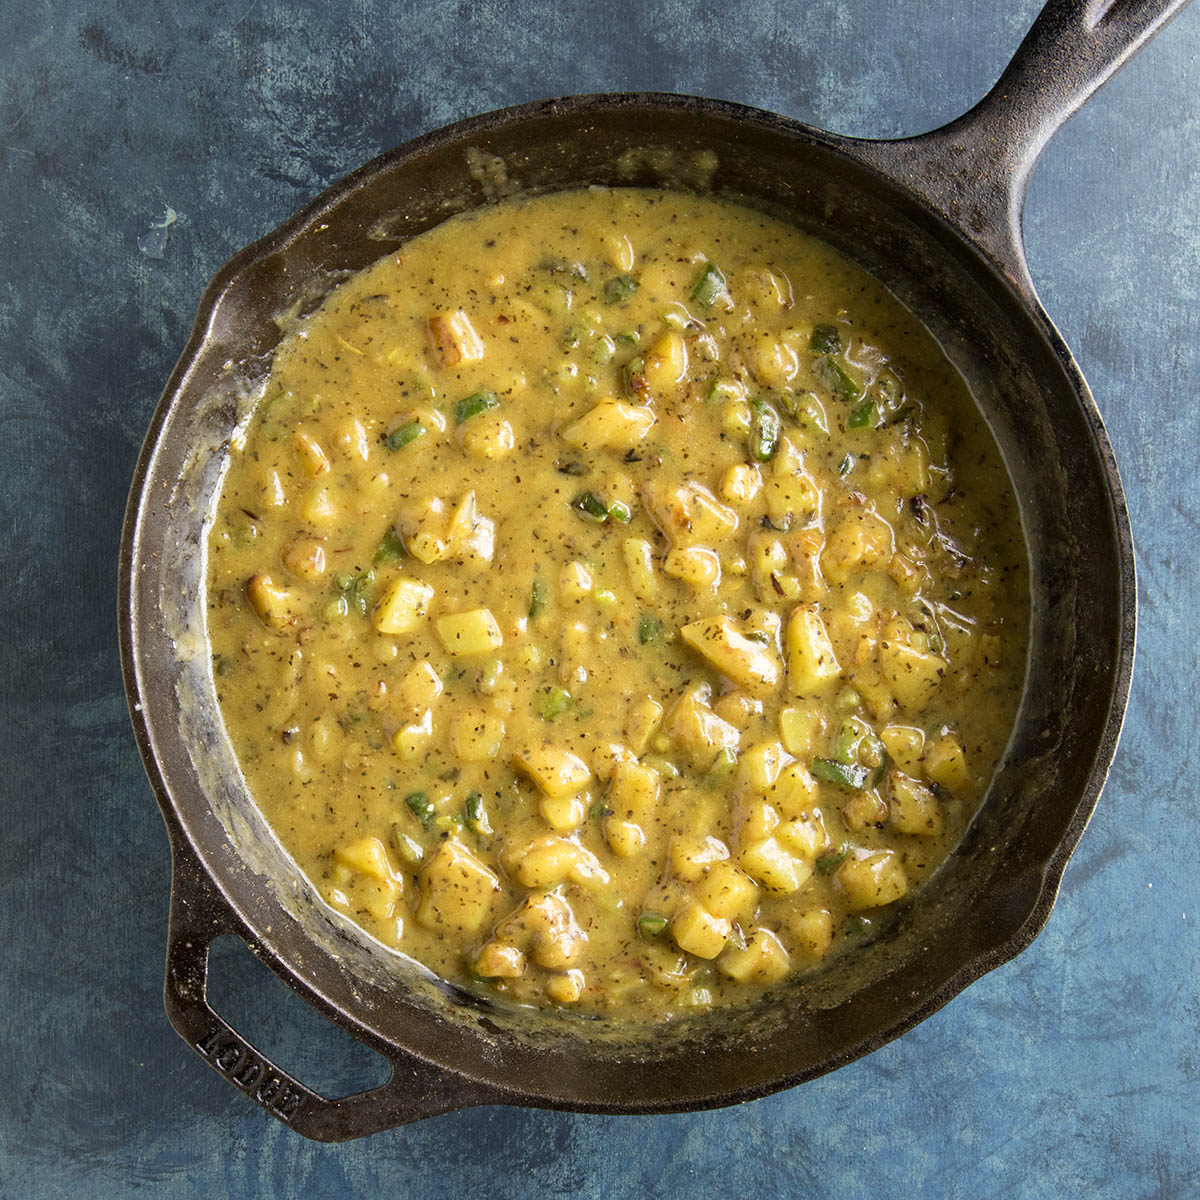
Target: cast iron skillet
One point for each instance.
(937, 218)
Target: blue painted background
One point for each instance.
(1074, 1071)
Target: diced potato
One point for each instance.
(762, 960)
(791, 499)
(457, 891)
(424, 530)
(556, 771)
(699, 730)
(476, 735)
(488, 436)
(666, 363)
(550, 860)
(754, 820)
(470, 535)
(644, 718)
(366, 854)
(914, 809)
(619, 251)
(558, 939)
(773, 866)
(697, 931)
(905, 744)
(563, 813)
(812, 664)
(688, 513)
(913, 675)
(736, 416)
(575, 653)
(566, 988)
(872, 878)
(318, 508)
(625, 838)
(453, 338)
(800, 726)
(811, 934)
(774, 362)
(751, 664)
(633, 792)
(403, 606)
(741, 483)
(499, 960)
(804, 547)
(906, 573)
(410, 741)
(694, 565)
(305, 558)
(860, 539)
(794, 792)
(611, 425)
(804, 836)
(726, 891)
(308, 450)
(864, 810)
(945, 763)
(639, 560)
(768, 292)
(690, 855)
(739, 708)
(420, 687)
(272, 604)
(324, 738)
(759, 767)
(544, 862)
(351, 439)
(606, 756)
(574, 582)
(274, 494)
(469, 633)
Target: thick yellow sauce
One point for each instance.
(616, 601)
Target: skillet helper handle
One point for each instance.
(414, 1090)
(976, 169)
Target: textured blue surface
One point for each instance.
(1074, 1070)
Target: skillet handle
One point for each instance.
(976, 169)
(414, 1090)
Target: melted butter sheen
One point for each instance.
(616, 602)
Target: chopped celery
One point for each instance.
(618, 289)
(390, 549)
(651, 926)
(724, 389)
(399, 438)
(633, 375)
(847, 775)
(421, 807)
(825, 339)
(765, 429)
(862, 416)
(589, 505)
(558, 700)
(828, 863)
(474, 404)
(648, 629)
(476, 815)
(710, 287)
(836, 378)
(538, 596)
